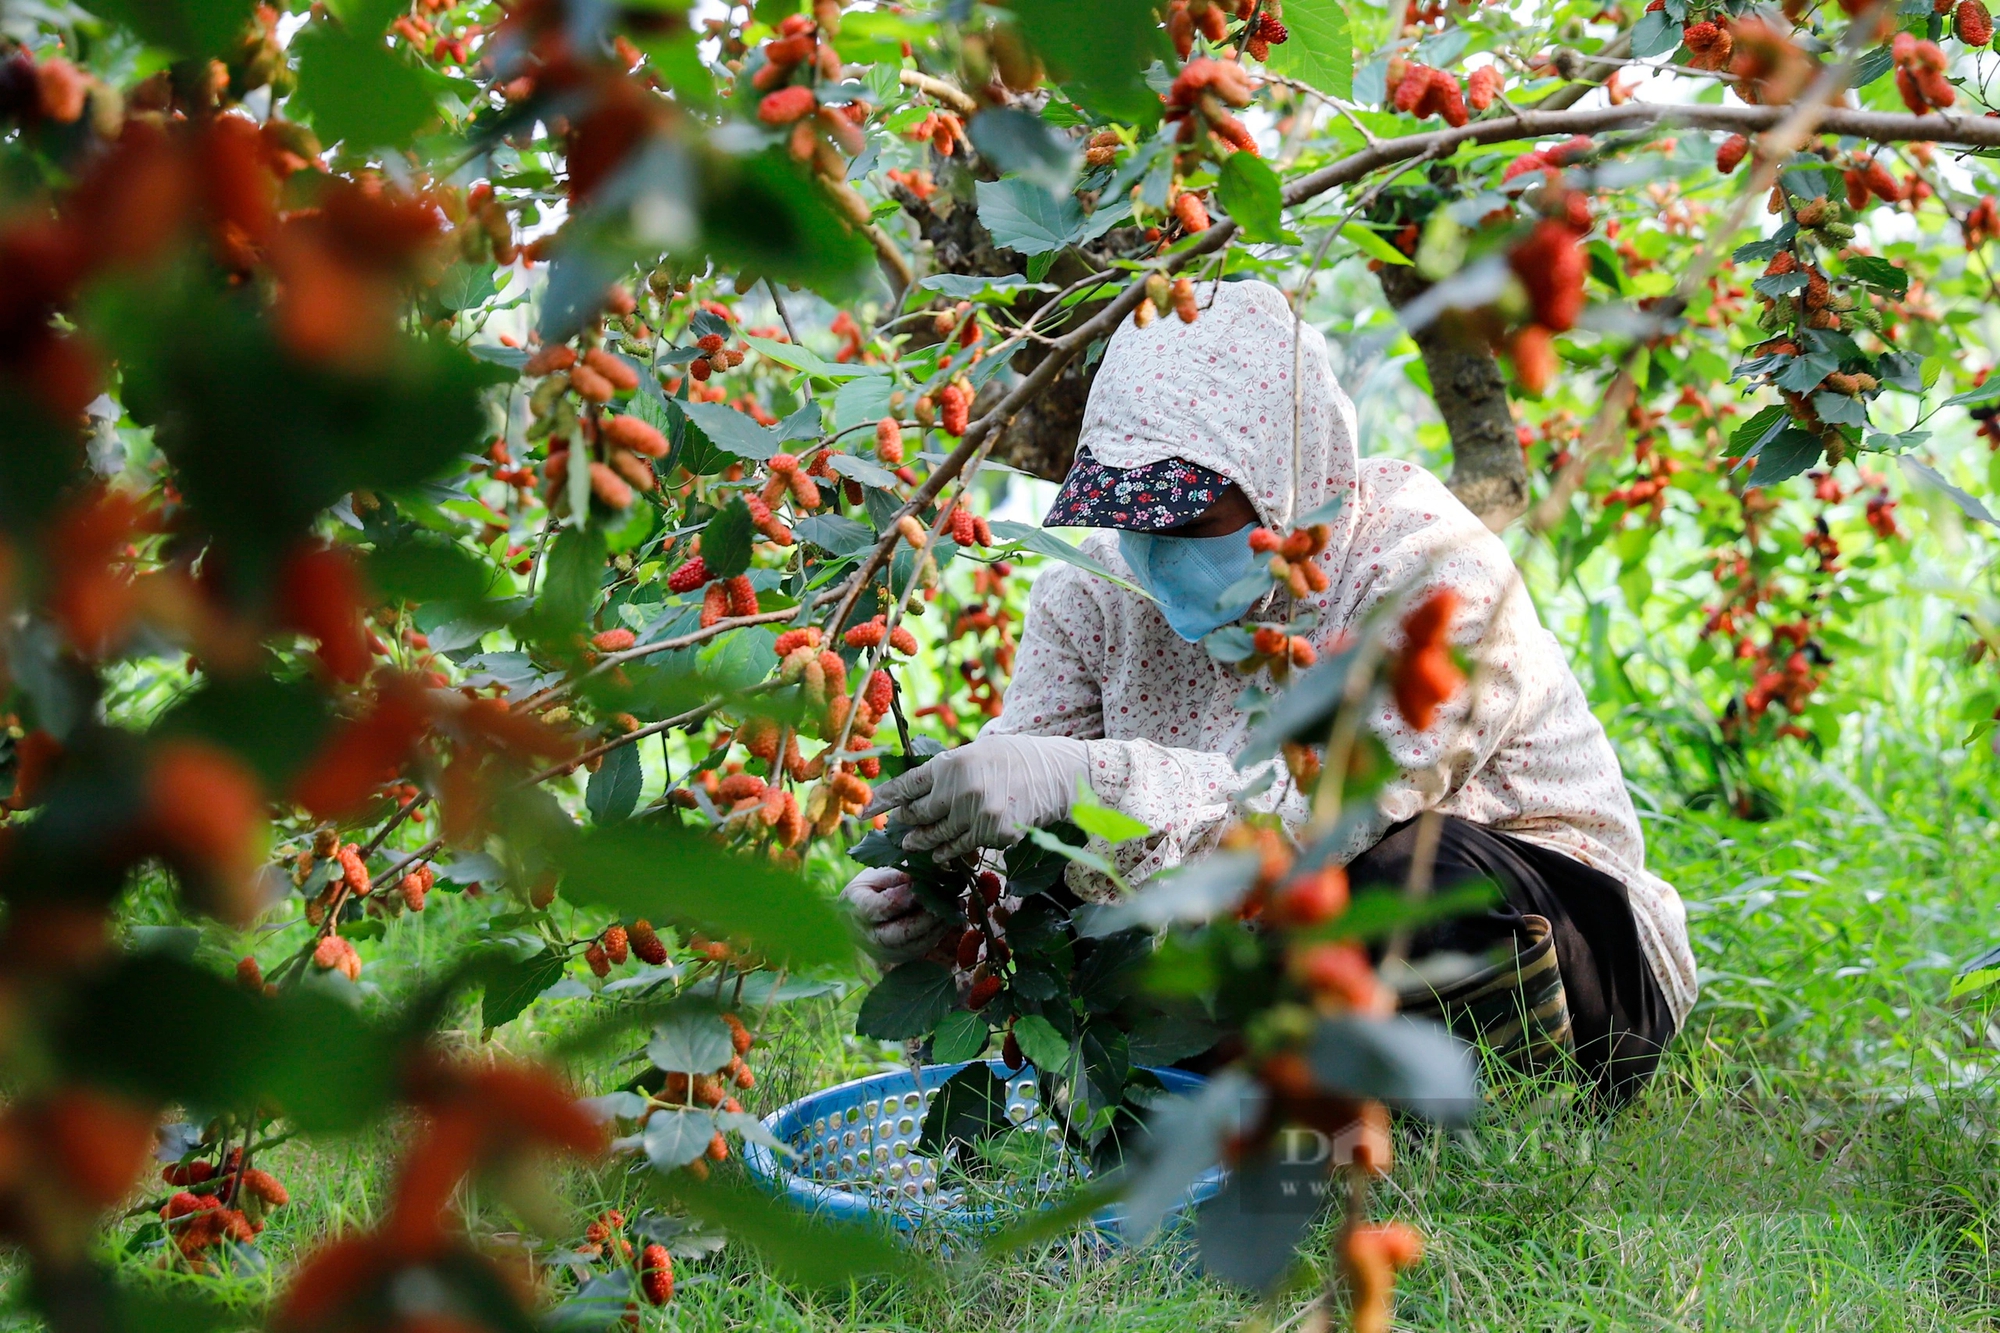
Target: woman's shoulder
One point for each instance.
(1404, 505)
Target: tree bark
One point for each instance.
(1488, 474)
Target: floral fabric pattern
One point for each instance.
(1149, 498)
(1518, 750)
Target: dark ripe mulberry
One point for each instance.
(1010, 1051)
(968, 950)
(646, 944)
(983, 992)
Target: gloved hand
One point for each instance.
(895, 927)
(986, 794)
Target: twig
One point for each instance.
(939, 90)
(784, 315)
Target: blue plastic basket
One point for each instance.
(855, 1153)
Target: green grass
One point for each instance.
(1817, 1153)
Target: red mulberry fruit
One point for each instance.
(688, 577)
(1972, 23)
(1729, 155)
(983, 991)
(954, 409)
(656, 1274)
(646, 944)
(616, 946)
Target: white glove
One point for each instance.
(986, 794)
(895, 927)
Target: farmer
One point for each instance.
(1186, 445)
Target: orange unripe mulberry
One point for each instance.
(615, 369)
(739, 1036)
(628, 432)
(742, 595)
(889, 441)
(787, 105)
(613, 640)
(1483, 87)
(609, 487)
(413, 890)
(249, 975)
(590, 385)
(646, 944)
(616, 946)
(1190, 212)
(1534, 353)
(1311, 898)
(656, 1274)
(266, 1187)
(600, 962)
(354, 871)
(794, 639)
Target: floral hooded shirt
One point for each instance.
(1519, 751)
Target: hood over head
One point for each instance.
(1219, 393)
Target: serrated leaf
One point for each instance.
(1411, 1064)
(861, 470)
(1781, 284)
(1191, 894)
(675, 1138)
(1029, 220)
(613, 791)
(1249, 189)
(356, 90)
(1878, 272)
(690, 1041)
(1759, 428)
(960, 1037)
(1929, 476)
(1786, 455)
(1101, 821)
(665, 873)
(908, 1002)
(726, 541)
(1045, 1048)
(1804, 373)
(971, 1105)
(1369, 242)
(733, 431)
(835, 533)
(1654, 34)
(1840, 409)
(1099, 52)
(1979, 396)
(1321, 49)
(1023, 144)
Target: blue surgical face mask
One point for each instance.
(1192, 576)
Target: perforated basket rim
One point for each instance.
(828, 1200)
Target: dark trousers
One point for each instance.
(1618, 1014)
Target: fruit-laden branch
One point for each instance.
(1879, 126)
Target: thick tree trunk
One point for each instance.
(1488, 474)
